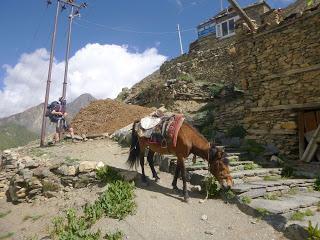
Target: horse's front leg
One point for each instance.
(175, 178)
(151, 164)
(184, 179)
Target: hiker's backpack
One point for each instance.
(53, 106)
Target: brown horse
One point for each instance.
(189, 141)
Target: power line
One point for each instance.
(129, 30)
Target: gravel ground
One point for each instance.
(161, 214)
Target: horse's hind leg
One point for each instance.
(175, 178)
(151, 164)
(143, 178)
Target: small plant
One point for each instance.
(229, 195)
(210, 186)
(118, 235)
(4, 214)
(287, 172)
(316, 186)
(313, 232)
(216, 88)
(246, 199)
(6, 235)
(251, 166)
(263, 212)
(108, 175)
(309, 213)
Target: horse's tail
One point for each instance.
(134, 153)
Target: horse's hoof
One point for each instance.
(186, 199)
(157, 179)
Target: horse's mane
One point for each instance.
(188, 124)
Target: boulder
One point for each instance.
(66, 170)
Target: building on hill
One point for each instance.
(222, 25)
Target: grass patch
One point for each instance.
(251, 166)
(271, 196)
(246, 200)
(263, 212)
(316, 186)
(33, 218)
(4, 214)
(6, 235)
(118, 235)
(229, 195)
(313, 232)
(271, 178)
(37, 152)
(107, 174)
(299, 215)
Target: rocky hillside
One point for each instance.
(297, 7)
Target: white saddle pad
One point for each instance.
(149, 122)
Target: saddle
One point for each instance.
(160, 130)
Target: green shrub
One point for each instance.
(236, 131)
(313, 232)
(317, 184)
(299, 216)
(216, 88)
(210, 186)
(107, 174)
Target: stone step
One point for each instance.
(287, 203)
(256, 172)
(237, 163)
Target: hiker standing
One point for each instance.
(57, 114)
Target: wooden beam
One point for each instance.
(243, 15)
(312, 146)
(302, 144)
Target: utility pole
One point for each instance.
(72, 4)
(221, 5)
(46, 99)
(180, 40)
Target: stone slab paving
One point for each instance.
(255, 172)
(286, 204)
(237, 163)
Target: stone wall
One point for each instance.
(280, 70)
(214, 65)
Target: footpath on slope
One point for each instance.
(106, 116)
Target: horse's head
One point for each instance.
(219, 166)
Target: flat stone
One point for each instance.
(254, 193)
(41, 172)
(277, 188)
(27, 174)
(67, 170)
(240, 163)
(285, 204)
(240, 188)
(87, 166)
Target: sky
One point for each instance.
(115, 44)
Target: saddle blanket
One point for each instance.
(161, 130)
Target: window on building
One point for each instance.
(218, 33)
(225, 30)
(231, 26)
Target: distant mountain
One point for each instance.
(21, 128)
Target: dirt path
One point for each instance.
(161, 214)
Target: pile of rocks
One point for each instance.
(23, 178)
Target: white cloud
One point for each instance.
(101, 70)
